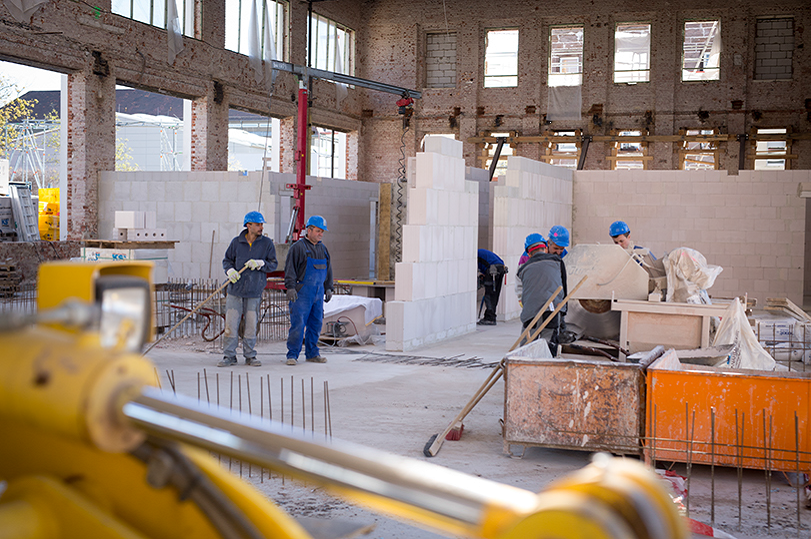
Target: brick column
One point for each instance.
(287, 145)
(209, 136)
(90, 144)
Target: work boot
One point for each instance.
(291, 361)
(253, 362)
(317, 359)
(227, 362)
(485, 322)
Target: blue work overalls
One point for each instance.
(308, 310)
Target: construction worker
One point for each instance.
(257, 255)
(621, 235)
(535, 282)
(558, 240)
(308, 280)
(525, 255)
(491, 274)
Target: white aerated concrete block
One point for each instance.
(443, 145)
(129, 219)
(404, 281)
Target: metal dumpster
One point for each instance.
(746, 418)
(588, 405)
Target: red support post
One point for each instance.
(301, 161)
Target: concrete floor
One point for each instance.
(395, 402)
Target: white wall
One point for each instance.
(752, 224)
(192, 205)
(531, 197)
(435, 289)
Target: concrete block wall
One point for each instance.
(531, 197)
(774, 43)
(435, 284)
(440, 60)
(193, 206)
(752, 224)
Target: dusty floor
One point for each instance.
(395, 402)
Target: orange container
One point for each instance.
(752, 419)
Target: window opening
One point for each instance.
(566, 56)
(328, 153)
(697, 154)
(501, 59)
(252, 143)
(238, 29)
(702, 51)
(563, 153)
(332, 46)
(771, 149)
(632, 53)
(629, 155)
(489, 149)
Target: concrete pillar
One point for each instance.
(90, 143)
(287, 145)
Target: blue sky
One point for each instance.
(30, 78)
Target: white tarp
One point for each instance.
(174, 34)
(689, 276)
(747, 353)
(565, 103)
(341, 303)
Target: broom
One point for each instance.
(435, 442)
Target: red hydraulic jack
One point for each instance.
(300, 187)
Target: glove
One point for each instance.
(327, 296)
(233, 275)
(255, 263)
(292, 295)
(493, 270)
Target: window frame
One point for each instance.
(320, 133)
(764, 151)
(315, 23)
(551, 65)
(183, 13)
(646, 71)
(488, 148)
(633, 152)
(555, 154)
(716, 40)
(488, 60)
(243, 9)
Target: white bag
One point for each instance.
(747, 353)
(688, 274)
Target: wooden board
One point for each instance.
(384, 232)
(111, 244)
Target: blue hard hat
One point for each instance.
(318, 221)
(559, 236)
(253, 217)
(533, 239)
(617, 228)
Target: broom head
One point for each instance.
(455, 433)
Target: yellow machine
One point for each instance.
(90, 449)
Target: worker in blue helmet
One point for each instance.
(558, 240)
(248, 260)
(308, 280)
(532, 239)
(535, 282)
(491, 274)
(621, 234)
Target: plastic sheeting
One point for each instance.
(689, 276)
(341, 303)
(564, 103)
(23, 10)
(174, 34)
(261, 61)
(747, 353)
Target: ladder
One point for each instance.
(25, 213)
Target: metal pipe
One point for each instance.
(452, 498)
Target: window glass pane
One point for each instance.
(702, 50)
(141, 10)
(632, 53)
(232, 25)
(566, 62)
(238, 24)
(122, 7)
(159, 13)
(501, 58)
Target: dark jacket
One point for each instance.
(296, 263)
(252, 282)
(535, 282)
(485, 259)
